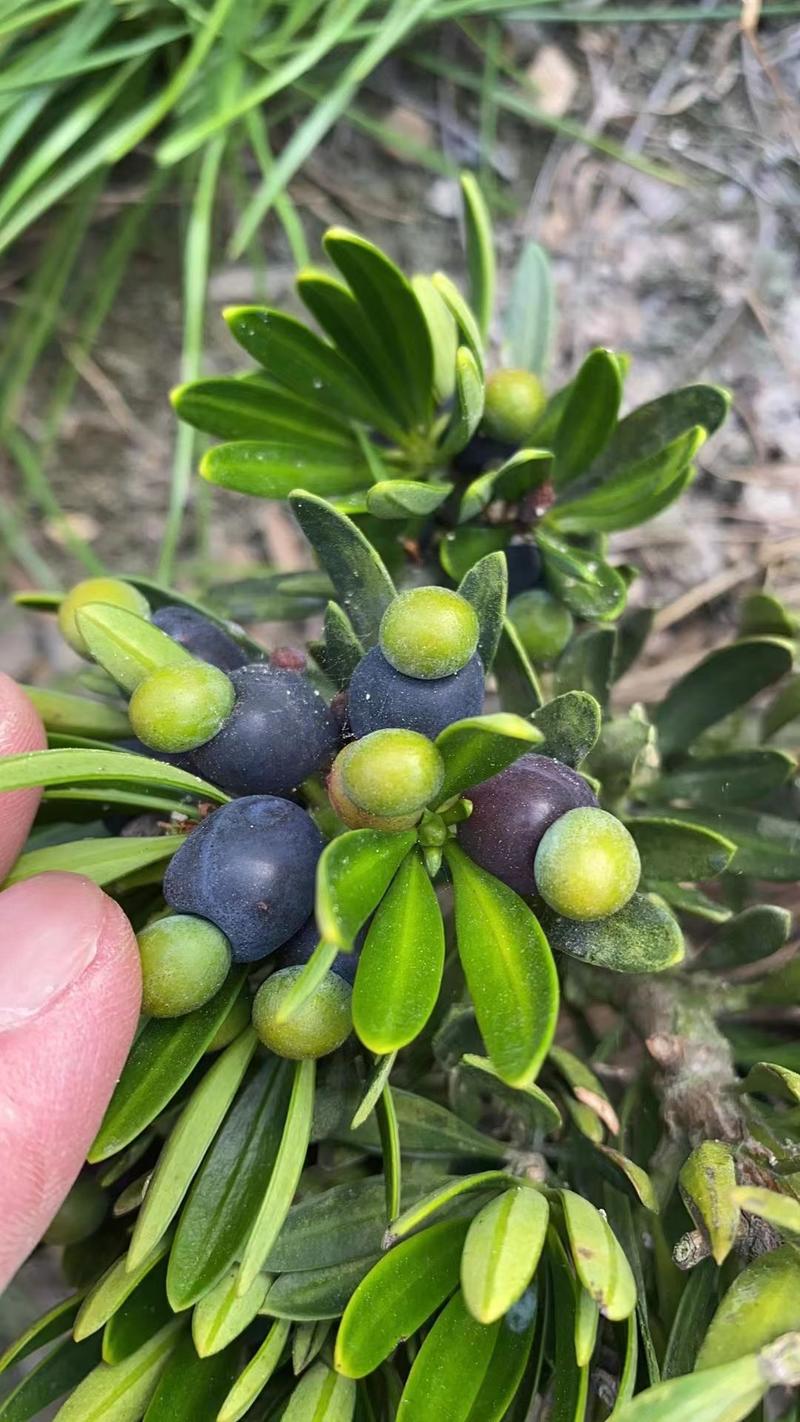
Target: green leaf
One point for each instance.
(343, 1223)
(405, 498)
(528, 1101)
(121, 1393)
(570, 1383)
(376, 1081)
(111, 1290)
(139, 1317)
(192, 1387)
(586, 664)
(690, 900)
(128, 647)
(769, 1080)
(449, 1369)
(362, 583)
(509, 969)
(302, 362)
(187, 1144)
(159, 1062)
(273, 469)
(285, 1175)
(517, 681)
(735, 778)
(588, 585)
(307, 1342)
(707, 1183)
(428, 1129)
(692, 1317)
(271, 597)
(530, 312)
(652, 426)
(761, 613)
(762, 1304)
(225, 1198)
(526, 469)
(587, 1320)
(674, 849)
(353, 874)
(444, 339)
(397, 1296)
(633, 630)
(482, 746)
(462, 315)
(634, 495)
(58, 1372)
(101, 860)
(76, 715)
(625, 1175)
(251, 1382)
(81, 767)
(783, 709)
(321, 1396)
(453, 1191)
(570, 724)
(485, 586)
(463, 547)
(254, 408)
(766, 846)
(502, 1250)
(160, 596)
(724, 1394)
(222, 1314)
(757, 932)
(781, 1211)
(389, 305)
(480, 252)
(343, 650)
(722, 682)
(468, 406)
(50, 1325)
(599, 1260)
(309, 1295)
(642, 937)
(401, 963)
(589, 417)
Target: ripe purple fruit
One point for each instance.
(203, 638)
(380, 698)
(279, 732)
(250, 868)
(512, 811)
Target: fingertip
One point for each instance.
(21, 730)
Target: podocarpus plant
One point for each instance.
(456, 1097)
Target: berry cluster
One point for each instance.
(241, 886)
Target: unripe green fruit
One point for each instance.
(391, 773)
(180, 708)
(352, 814)
(429, 632)
(233, 1025)
(587, 864)
(514, 402)
(185, 960)
(544, 624)
(318, 1027)
(107, 590)
(83, 1211)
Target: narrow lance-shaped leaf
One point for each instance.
(642, 937)
(273, 469)
(648, 428)
(52, 1324)
(405, 498)
(482, 746)
(101, 860)
(449, 1368)
(444, 340)
(62, 711)
(530, 312)
(57, 1373)
(122, 1391)
(673, 849)
(517, 681)
(111, 1290)
(190, 1387)
(311, 1295)
(353, 874)
(480, 252)
(726, 679)
(502, 1250)
(468, 408)
(485, 586)
(527, 1101)
(599, 1260)
(708, 1183)
(724, 1394)
(321, 1396)
(634, 495)
(285, 1175)
(509, 969)
(343, 650)
(430, 1130)
(362, 583)
(523, 471)
(761, 1304)
(731, 779)
(583, 580)
(128, 647)
(423, 1210)
(589, 417)
(400, 968)
(781, 1211)
(138, 1318)
(75, 768)
(377, 1079)
(253, 407)
(251, 1382)
(462, 315)
(223, 1313)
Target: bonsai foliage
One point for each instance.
(455, 1098)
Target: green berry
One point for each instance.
(544, 624)
(83, 1211)
(587, 864)
(391, 773)
(185, 961)
(107, 590)
(233, 1025)
(352, 814)
(318, 1027)
(514, 402)
(429, 632)
(180, 708)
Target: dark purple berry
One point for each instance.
(279, 732)
(524, 564)
(483, 452)
(380, 698)
(511, 813)
(249, 868)
(200, 636)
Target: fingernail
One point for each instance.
(50, 929)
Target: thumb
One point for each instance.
(70, 990)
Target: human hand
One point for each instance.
(70, 992)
